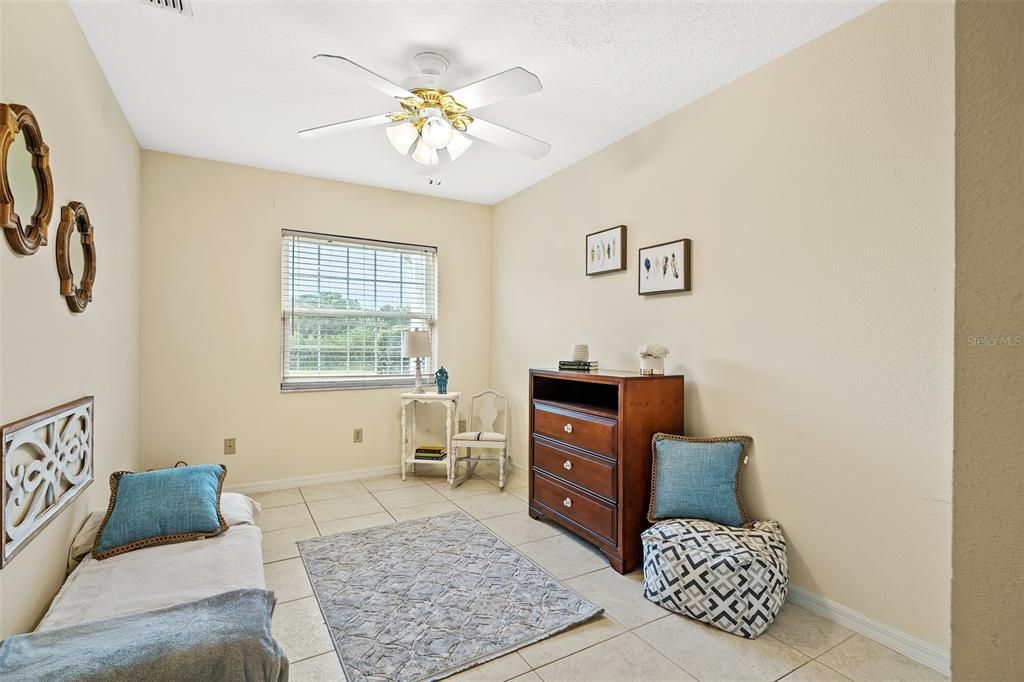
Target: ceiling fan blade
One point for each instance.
(342, 126)
(363, 75)
(508, 139)
(505, 85)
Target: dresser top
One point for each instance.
(608, 373)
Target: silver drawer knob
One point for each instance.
(567, 465)
(568, 428)
(567, 502)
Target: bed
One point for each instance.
(192, 611)
(195, 610)
(160, 576)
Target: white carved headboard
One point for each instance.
(46, 463)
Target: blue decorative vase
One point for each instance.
(442, 380)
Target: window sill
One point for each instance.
(356, 385)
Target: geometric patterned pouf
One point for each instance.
(733, 578)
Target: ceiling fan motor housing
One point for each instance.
(431, 63)
(432, 67)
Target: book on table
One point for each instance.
(434, 452)
(584, 366)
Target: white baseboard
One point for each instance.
(263, 486)
(924, 653)
(333, 477)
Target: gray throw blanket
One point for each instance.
(225, 637)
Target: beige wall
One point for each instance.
(50, 355)
(988, 474)
(211, 319)
(818, 192)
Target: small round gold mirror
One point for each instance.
(76, 256)
(26, 187)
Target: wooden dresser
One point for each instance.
(590, 453)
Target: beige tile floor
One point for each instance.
(633, 640)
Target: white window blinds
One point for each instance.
(345, 303)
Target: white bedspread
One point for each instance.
(156, 577)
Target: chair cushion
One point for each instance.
(735, 579)
(161, 507)
(492, 436)
(698, 478)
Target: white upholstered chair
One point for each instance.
(486, 410)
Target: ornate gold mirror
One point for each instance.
(79, 257)
(26, 187)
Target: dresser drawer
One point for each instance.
(579, 429)
(595, 516)
(596, 476)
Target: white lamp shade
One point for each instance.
(416, 343)
(402, 136)
(459, 144)
(437, 132)
(424, 154)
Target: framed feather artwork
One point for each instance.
(664, 268)
(606, 251)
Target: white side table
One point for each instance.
(451, 407)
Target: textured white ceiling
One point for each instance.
(236, 81)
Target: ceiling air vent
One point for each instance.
(183, 7)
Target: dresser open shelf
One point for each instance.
(590, 453)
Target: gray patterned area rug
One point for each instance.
(427, 598)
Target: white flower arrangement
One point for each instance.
(651, 350)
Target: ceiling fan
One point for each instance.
(434, 120)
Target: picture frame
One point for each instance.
(664, 268)
(605, 251)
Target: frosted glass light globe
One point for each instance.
(459, 144)
(437, 132)
(424, 154)
(402, 136)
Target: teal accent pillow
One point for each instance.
(161, 507)
(698, 478)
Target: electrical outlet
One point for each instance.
(229, 446)
(357, 435)
(462, 426)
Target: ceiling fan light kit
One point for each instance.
(432, 118)
(435, 117)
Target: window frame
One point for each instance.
(364, 382)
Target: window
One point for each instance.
(344, 305)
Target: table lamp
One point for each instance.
(416, 344)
